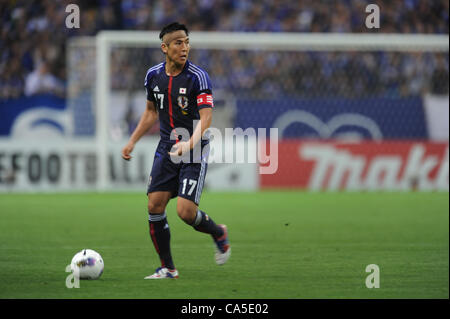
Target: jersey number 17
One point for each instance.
(160, 98)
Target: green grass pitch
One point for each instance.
(285, 244)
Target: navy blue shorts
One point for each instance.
(181, 179)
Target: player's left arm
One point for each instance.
(202, 126)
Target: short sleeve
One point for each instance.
(204, 83)
(204, 91)
(148, 89)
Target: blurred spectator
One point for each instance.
(11, 80)
(42, 81)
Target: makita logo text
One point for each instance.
(356, 168)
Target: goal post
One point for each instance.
(286, 41)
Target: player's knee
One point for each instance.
(186, 214)
(156, 207)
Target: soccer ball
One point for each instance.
(87, 264)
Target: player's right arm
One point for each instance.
(148, 118)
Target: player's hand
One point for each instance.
(180, 148)
(127, 150)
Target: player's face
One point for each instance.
(176, 46)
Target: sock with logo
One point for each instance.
(203, 223)
(160, 234)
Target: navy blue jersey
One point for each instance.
(178, 99)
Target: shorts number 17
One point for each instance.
(192, 184)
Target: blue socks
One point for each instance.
(160, 234)
(203, 223)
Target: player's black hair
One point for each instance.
(175, 26)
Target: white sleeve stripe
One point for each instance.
(200, 79)
(202, 74)
(153, 68)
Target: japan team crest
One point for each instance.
(183, 103)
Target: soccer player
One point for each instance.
(179, 92)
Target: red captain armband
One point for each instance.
(205, 99)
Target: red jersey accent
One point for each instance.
(170, 102)
(152, 235)
(170, 105)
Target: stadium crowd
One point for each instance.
(33, 37)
